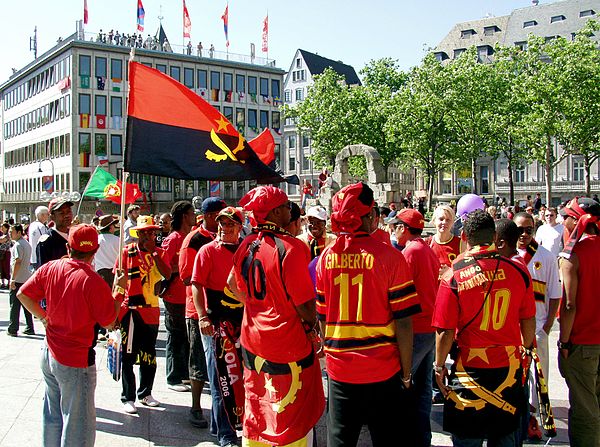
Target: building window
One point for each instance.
(291, 141)
(292, 160)
(188, 77)
(522, 45)
(587, 13)
(100, 144)
(529, 23)
(252, 85)
(100, 105)
(101, 67)
(484, 176)
(252, 119)
(555, 19)
(116, 106)
(299, 94)
(116, 145)
(175, 73)
(264, 119)
(305, 141)
(578, 170)
(490, 30)
(520, 174)
(240, 83)
(264, 87)
(116, 69)
(299, 75)
(467, 33)
(306, 161)
(275, 88)
(299, 62)
(84, 103)
(85, 65)
(240, 119)
(162, 68)
(276, 120)
(228, 113)
(201, 76)
(458, 52)
(228, 82)
(215, 80)
(288, 96)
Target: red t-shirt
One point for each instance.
(446, 252)
(586, 327)
(176, 292)
(77, 298)
(482, 344)
(382, 236)
(425, 268)
(187, 256)
(360, 293)
(213, 263)
(271, 327)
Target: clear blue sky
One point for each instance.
(350, 30)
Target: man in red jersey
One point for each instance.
(220, 320)
(77, 299)
(486, 300)
(145, 265)
(205, 233)
(424, 267)
(282, 377)
(579, 341)
(177, 350)
(365, 300)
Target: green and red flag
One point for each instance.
(103, 185)
(173, 132)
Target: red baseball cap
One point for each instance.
(83, 238)
(411, 217)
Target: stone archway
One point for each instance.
(375, 170)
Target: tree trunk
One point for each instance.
(586, 167)
(548, 170)
(511, 183)
(430, 176)
(474, 174)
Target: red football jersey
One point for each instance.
(360, 293)
(483, 342)
(586, 327)
(446, 252)
(425, 268)
(176, 292)
(271, 327)
(382, 236)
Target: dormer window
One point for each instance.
(490, 30)
(467, 33)
(529, 23)
(557, 19)
(587, 13)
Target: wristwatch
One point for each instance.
(564, 344)
(438, 369)
(120, 290)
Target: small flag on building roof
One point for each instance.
(187, 23)
(225, 18)
(140, 16)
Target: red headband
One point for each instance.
(583, 220)
(261, 200)
(348, 209)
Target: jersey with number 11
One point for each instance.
(361, 291)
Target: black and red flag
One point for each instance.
(173, 132)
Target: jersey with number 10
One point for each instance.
(361, 291)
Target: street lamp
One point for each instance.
(52, 164)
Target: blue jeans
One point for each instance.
(509, 440)
(219, 422)
(177, 350)
(422, 361)
(69, 409)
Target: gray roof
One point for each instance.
(317, 64)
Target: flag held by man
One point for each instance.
(103, 185)
(172, 132)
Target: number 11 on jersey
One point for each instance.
(343, 280)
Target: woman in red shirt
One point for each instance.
(444, 244)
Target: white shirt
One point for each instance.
(36, 230)
(108, 251)
(550, 237)
(543, 268)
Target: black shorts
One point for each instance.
(197, 363)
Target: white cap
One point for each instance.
(317, 211)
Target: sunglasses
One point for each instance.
(526, 230)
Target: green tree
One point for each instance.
(384, 73)
(418, 122)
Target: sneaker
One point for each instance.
(29, 332)
(534, 433)
(197, 419)
(129, 407)
(149, 401)
(231, 444)
(11, 334)
(180, 387)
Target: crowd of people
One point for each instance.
(258, 298)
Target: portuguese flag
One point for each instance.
(173, 132)
(103, 185)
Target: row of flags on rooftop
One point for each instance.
(187, 23)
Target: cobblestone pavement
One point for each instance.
(22, 390)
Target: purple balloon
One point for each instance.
(467, 204)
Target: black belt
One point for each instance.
(275, 369)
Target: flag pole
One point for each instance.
(125, 174)
(84, 191)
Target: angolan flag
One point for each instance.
(172, 132)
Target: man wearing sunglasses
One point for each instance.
(543, 268)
